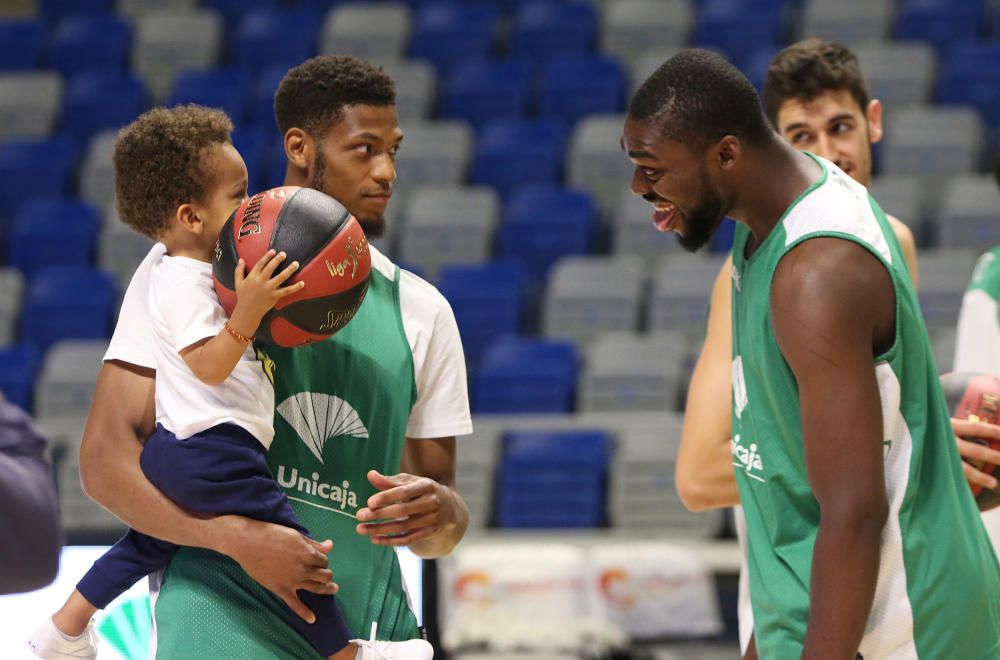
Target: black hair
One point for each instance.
(313, 94)
(697, 97)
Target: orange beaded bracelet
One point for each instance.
(235, 334)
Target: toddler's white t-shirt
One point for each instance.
(185, 310)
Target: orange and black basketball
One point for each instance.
(318, 232)
(976, 397)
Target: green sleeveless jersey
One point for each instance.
(938, 589)
(341, 409)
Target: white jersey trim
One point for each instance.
(825, 211)
(442, 406)
(889, 631)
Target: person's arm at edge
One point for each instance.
(704, 472)
(29, 517)
(909, 246)
(827, 340)
(424, 493)
(121, 418)
(969, 451)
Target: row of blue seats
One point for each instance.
(553, 479)
(539, 225)
(508, 154)
(447, 33)
(566, 89)
(480, 91)
(516, 375)
(52, 11)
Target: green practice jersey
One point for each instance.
(938, 589)
(342, 408)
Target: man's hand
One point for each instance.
(283, 561)
(409, 508)
(974, 452)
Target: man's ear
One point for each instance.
(187, 217)
(873, 114)
(728, 152)
(300, 149)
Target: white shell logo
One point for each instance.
(319, 417)
(739, 387)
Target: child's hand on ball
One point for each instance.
(260, 289)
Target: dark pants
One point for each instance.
(222, 471)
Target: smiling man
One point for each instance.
(816, 95)
(846, 465)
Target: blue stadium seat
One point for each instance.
(489, 89)
(755, 66)
(576, 86)
(233, 10)
(512, 153)
(543, 30)
(276, 165)
(64, 302)
(275, 38)
(488, 301)
(738, 28)
(21, 44)
(318, 5)
(226, 89)
(942, 22)
(96, 101)
(543, 223)
(261, 111)
(254, 144)
(34, 168)
(970, 75)
(53, 232)
(554, 479)
(722, 239)
(526, 375)
(90, 43)
(19, 364)
(447, 34)
(55, 10)
(507, 8)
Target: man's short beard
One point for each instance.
(373, 227)
(701, 223)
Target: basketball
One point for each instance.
(319, 233)
(973, 396)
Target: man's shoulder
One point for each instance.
(418, 298)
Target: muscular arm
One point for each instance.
(829, 341)
(704, 473)
(121, 418)
(421, 504)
